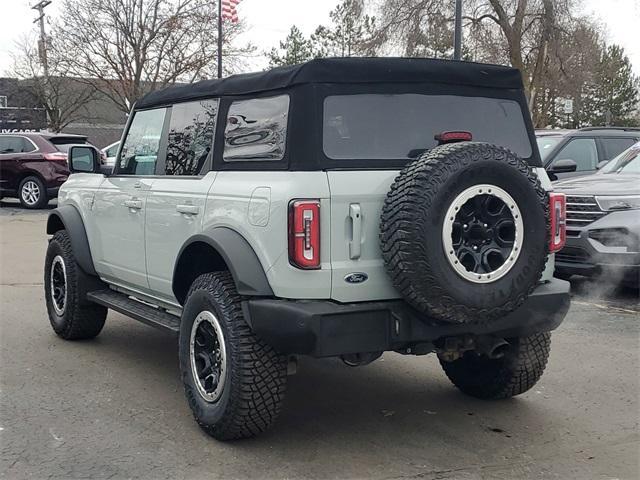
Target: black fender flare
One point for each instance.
(240, 258)
(68, 217)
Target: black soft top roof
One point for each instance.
(344, 71)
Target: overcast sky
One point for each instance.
(268, 21)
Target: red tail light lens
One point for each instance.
(56, 156)
(558, 208)
(452, 137)
(304, 234)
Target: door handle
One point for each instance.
(133, 204)
(137, 185)
(355, 245)
(188, 209)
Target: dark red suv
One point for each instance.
(34, 165)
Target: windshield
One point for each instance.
(627, 162)
(402, 126)
(546, 144)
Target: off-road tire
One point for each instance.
(411, 232)
(43, 199)
(80, 318)
(256, 374)
(515, 373)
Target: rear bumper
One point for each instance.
(324, 328)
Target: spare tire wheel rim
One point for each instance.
(208, 356)
(482, 233)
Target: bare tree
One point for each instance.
(126, 48)
(528, 28)
(415, 28)
(63, 98)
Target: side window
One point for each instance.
(256, 129)
(5, 145)
(190, 137)
(582, 151)
(615, 146)
(27, 146)
(140, 149)
(13, 144)
(113, 151)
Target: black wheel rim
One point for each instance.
(208, 356)
(58, 285)
(482, 233)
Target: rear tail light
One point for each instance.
(453, 137)
(56, 156)
(558, 208)
(304, 234)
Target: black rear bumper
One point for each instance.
(323, 328)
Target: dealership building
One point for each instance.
(99, 119)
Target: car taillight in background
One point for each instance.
(304, 233)
(558, 209)
(56, 156)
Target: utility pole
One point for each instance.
(457, 35)
(42, 43)
(42, 49)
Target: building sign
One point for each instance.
(21, 119)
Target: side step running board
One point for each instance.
(137, 310)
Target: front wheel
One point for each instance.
(71, 317)
(234, 382)
(512, 374)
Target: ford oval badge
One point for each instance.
(357, 277)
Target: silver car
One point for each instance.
(603, 221)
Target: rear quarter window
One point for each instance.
(401, 126)
(256, 129)
(615, 146)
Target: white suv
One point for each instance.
(342, 207)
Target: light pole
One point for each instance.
(457, 33)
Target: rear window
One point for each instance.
(63, 144)
(396, 127)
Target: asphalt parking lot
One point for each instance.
(114, 407)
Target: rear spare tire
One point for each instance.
(464, 232)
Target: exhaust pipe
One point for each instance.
(492, 347)
(499, 349)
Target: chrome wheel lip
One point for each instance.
(59, 305)
(447, 230)
(209, 317)
(30, 193)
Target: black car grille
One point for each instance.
(582, 211)
(572, 255)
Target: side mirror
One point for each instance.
(84, 159)
(566, 165)
(601, 164)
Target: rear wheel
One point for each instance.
(234, 382)
(515, 372)
(32, 193)
(71, 317)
